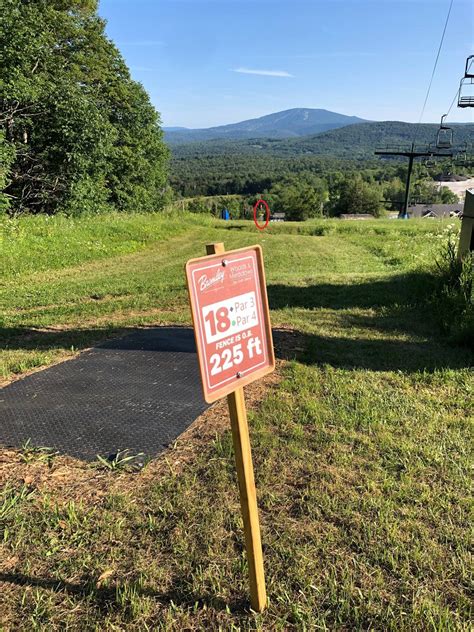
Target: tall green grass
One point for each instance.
(41, 242)
(453, 300)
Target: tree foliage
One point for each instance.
(78, 133)
(300, 198)
(427, 192)
(357, 196)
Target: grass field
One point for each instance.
(362, 441)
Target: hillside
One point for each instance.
(351, 141)
(219, 167)
(363, 139)
(360, 438)
(286, 124)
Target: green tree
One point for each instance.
(84, 134)
(394, 193)
(7, 155)
(299, 198)
(198, 205)
(447, 196)
(356, 196)
(425, 192)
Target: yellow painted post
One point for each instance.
(248, 493)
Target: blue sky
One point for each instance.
(211, 62)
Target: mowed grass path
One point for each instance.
(362, 450)
(53, 312)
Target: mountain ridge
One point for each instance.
(350, 141)
(292, 123)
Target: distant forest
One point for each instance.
(249, 167)
(248, 174)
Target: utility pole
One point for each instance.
(411, 154)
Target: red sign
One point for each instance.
(229, 306)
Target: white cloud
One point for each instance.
(142, 69)
(265, 73)
(141, 43)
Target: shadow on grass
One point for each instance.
(401, 334)
(372, 354)
(384, 355)
(108, 596)
(44, 339)
(246, 228)
(124, 338)
(404, 289)
(172, 339)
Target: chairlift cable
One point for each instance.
(434, 70)
(453, 101)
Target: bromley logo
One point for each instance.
(206, 283)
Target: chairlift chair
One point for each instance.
(469, 71)
(429, 161)
(464, 157)
(466, 87)
(462, 153)
(444, 139)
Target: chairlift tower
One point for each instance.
(411, 154)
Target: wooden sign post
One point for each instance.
(231, 321)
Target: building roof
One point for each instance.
(452, 177)
(434, 210)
